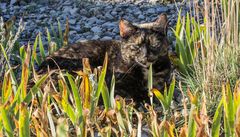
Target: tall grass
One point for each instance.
(208, 51)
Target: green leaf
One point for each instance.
(48, 36)
(179, 24)
(60, 33)
(231, 113)
(34, 52)
(75, 95)
(24, 129)
(6, 87)
(22, 53)
(34, 89)
(192, 126)
(217, 120)
(66, 105)
(41, 48)
(56, 37)
(188, 29)
(171, 91)
(102, 78)
(105, 96)
(6, 122)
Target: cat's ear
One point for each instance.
(126, 28)
(161, 24)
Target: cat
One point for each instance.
(130, 57)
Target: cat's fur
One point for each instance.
(130, 58)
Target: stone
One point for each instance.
(89, 37)
(67, 3)
(66, 9)
(84, 12)
(109, 25)
(162, 9)
(96, 30)
(92, 20)
(141, 17)
(72, 21)
(96, 37)
(42, 9)
(114, 13)
(73, 11)
(116, 30)
(151, 11)
(72, 32)
(107, 38)
(108, 16)
(3, 5)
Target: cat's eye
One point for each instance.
(154, 47)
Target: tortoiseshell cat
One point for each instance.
(130, 58)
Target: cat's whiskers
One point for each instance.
(130, 69)
(141, 64)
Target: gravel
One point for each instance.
(88, 20)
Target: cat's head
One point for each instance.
(144, 43)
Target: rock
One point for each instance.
(73, 11)
(141, 17)
(151, 11)
(72, 32)
(66, 9)
(108, 16)
(52, 12)
(96, 20)
(107, 38)
(3, 6)
(96, 30)
(109, 25)
(95, 37)
(84, 12)
(67, 3)
(162, 9)
(13, 2)
(77, 28)
(116, 30)
(92, 20)
(72, 21)
(42, 9)
(81, 39)
(114, 13)
(117, 37)
(89, 37)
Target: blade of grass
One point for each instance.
(24, 124)
(171, 92)
(112, 89)
(100, 84)
(105, 96)
(217, 120)
(75, 95)
(150, 83)
(6, 122)
(60, 32)
(41, 48)
(66, 34)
